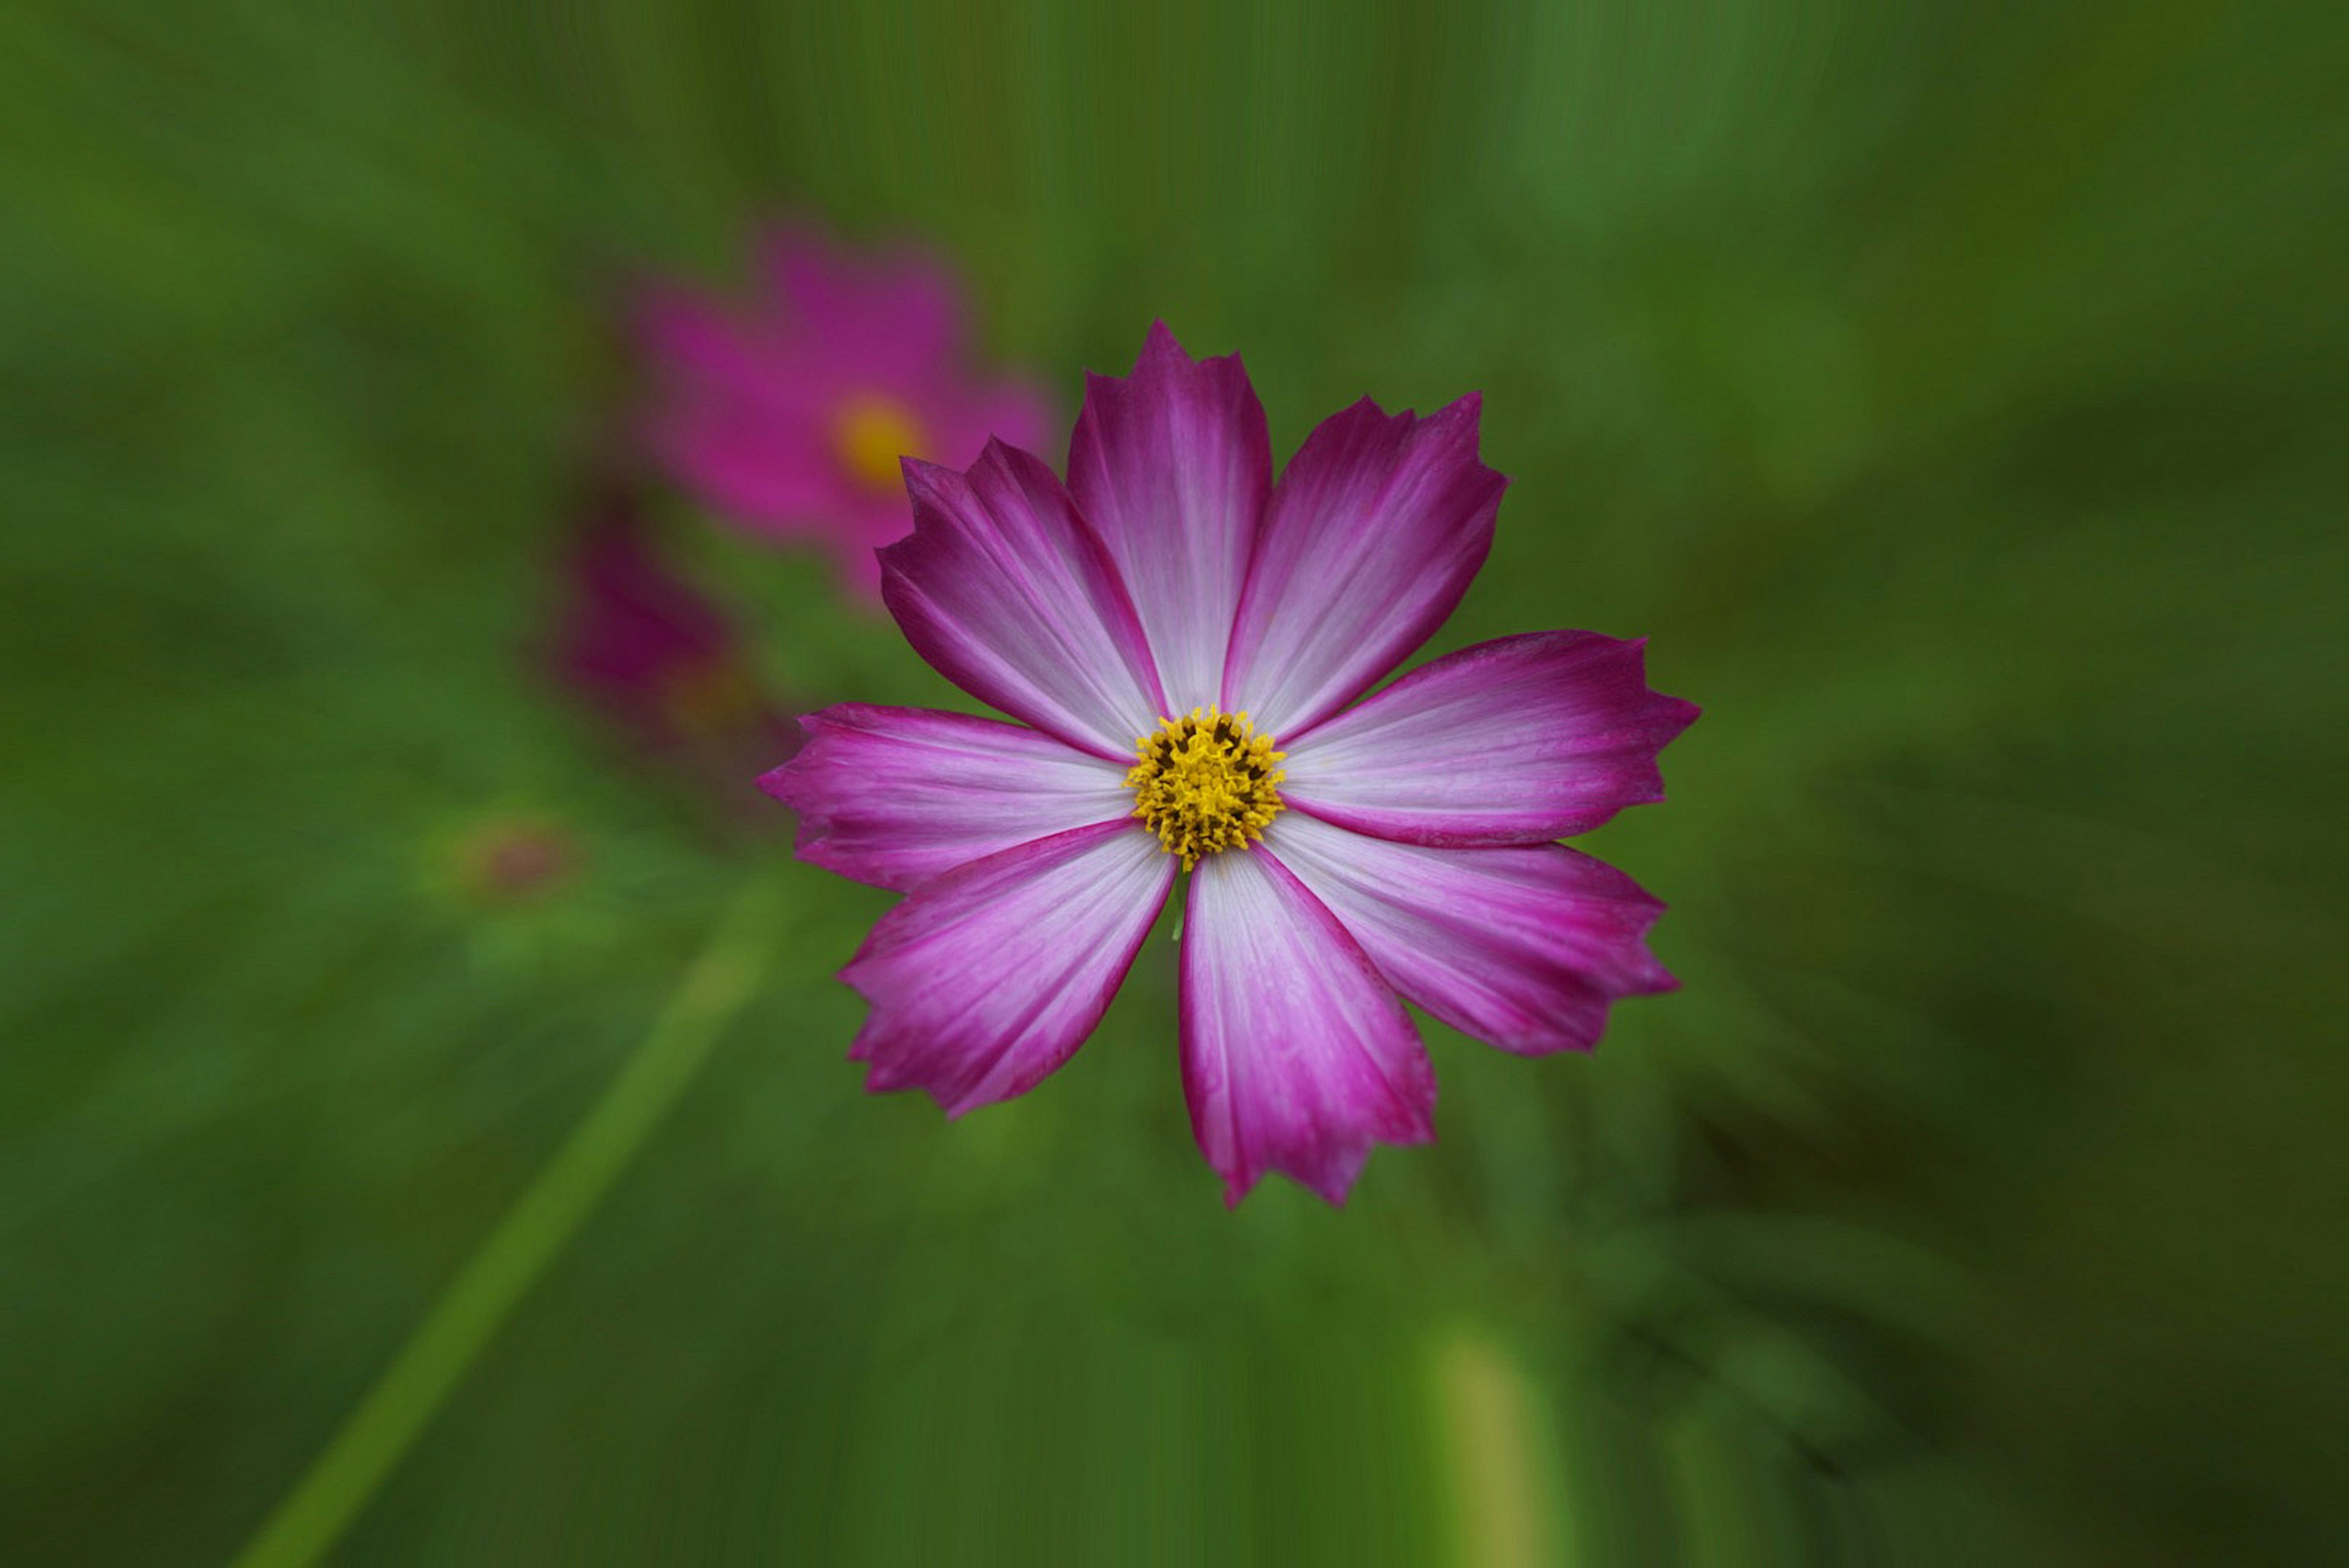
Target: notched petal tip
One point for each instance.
(1017, 463)
(1171, 465)
(941, 485)
(929, 481)
(1160, 344)
(1162, 353)
(785, 780)
(1373, 533)
(1523, 947)
(1457, 426)
(1298, 1056)
(1462, 420)
(1520, 740)
(888, 1078)
(1678, 710)
(1333, 1176)
(1332, 1184)
(1335, 1180)
(933, 491)
(1463, 415)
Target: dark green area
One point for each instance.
(1954, 395)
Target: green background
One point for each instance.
(1952, 392)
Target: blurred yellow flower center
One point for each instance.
(709, 696)
(1206, 782)
(870, 433)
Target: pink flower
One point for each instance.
(656, 655)
(1343, 858)
(789, 416)
(509, 861)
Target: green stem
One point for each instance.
(378, 1433)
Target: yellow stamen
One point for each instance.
(1206, 782)
(870, 433)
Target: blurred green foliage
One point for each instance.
(1953, 393)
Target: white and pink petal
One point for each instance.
(897, 796)
(1369, 540)
(1515, 741)
(1172, 466)
(1006, 593)
(1523, 947)
(987, 978)
(1296, 1055)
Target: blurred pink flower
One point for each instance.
(1156, 622)
(515, 860)
(787, 414)
(657, 657)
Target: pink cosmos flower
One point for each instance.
(657, 657)
(1343, 855)
(789, 416)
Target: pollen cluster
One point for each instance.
(1206, 782)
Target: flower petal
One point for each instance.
(732, 412)
(741, 460)
(693, 342)
(1371, 539)
(1515, 741)
(896, 796)
(1007, 593)
(893, 316)
(1523, 947)
(987, 978)
(1296, 1056)
(1171, 467)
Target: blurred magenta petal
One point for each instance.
(657, 657)
(788, 414)
(515, 860)
(751, 467)
(1541, 736)
(895, 311)
(635, 637)
(697, 337)
(1523, 947)
(1296, 1058)
(986, 979)
(896, 796)
(1007, 593)
(1172, 467)
(1371, 539)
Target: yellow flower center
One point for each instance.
(1205, 783)
(870, 433)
